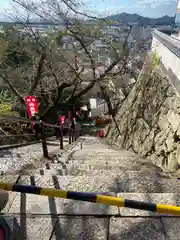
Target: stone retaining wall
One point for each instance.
(149, 118)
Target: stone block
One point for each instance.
(174, 119)
(158, 198)
(170, 142)
(136, 228)
(81, 228)
(65, 228)
(147, 144)
(172, 227)
(161, 137)
(36, 204)
(34, 227)
(163, 122)
(173, 160)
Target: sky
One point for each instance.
(147, 8)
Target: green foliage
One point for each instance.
(15, 55)
(156, 59)
(17, 49)
(5, 96)
(6, 109)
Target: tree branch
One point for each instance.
(38, 73)
(86, 51)
(14, 90)
(59, 92)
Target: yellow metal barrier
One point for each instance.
(92, 197)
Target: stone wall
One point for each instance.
(148, 121)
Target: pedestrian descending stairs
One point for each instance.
(94, 166)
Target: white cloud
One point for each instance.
(149, 8)
(155, 3)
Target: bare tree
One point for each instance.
(64, 59)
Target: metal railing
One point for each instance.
(73, 134)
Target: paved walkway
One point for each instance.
(17, 158)
(97, 168)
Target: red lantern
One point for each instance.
(32, 105)
(62, 119)
(101, 133)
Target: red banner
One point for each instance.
(32, 105)
(62, 119)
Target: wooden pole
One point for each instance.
(61, 137)
(44, 143)
(70, 135)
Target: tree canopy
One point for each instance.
(55, 64)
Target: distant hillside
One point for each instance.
(122, 17)
(135, 18)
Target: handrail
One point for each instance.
(20, 135)
(92, 197)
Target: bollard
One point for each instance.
(44, 143)
(61, 137)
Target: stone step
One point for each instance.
(39, 218)
(81, 227)
(104, 181)
(78, 165)
(64, 170)
(61, 169)
(124, 160)
(79, 207)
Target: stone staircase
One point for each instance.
(100, 168)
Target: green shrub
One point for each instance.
(156, 59)
(6, 109)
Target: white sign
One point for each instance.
(93, 103)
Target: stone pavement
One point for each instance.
(100, 168)
(15, 159)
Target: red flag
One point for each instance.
(32, 105)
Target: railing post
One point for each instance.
(61, 137)
(72, 135)
(44, 143)
(69, 135)
(75, 134)
(73, 126)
